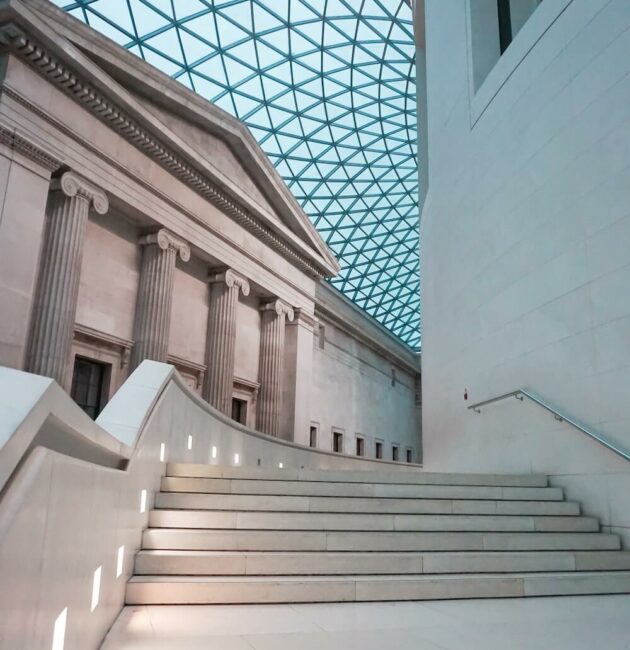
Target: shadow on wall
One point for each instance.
(75, 494)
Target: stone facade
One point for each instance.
(140, 222)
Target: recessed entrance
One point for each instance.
(89, 381)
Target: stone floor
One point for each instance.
(560, 623)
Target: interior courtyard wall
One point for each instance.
(359, 392)
(526, 262)
(109, 275)
(247, 338)
(189, 316)
(23, 191)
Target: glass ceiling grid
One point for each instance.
(327, 87)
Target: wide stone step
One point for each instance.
(180, 590)
(220, 519)
(297, 540)
(401, 475)
(199, 501)
(330, 563)
(346, 489)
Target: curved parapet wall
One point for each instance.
(75, 494)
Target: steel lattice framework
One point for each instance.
(327, 87)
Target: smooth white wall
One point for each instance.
(526, 248)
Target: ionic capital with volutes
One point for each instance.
(165, 239)
(72, 184)
(231, 279)
(280, 307)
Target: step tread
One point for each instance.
(260, 487)
(402, 475)
(251, 519)
(369, 577)
(371, 554)
(359, 505)
(260, 540)
(174, 562)
(165, 590)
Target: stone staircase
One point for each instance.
(239, 535)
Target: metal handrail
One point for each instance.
(521, 394)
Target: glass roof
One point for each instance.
(327, 87)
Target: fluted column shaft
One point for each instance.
(155, 295)
(57, 290)
(224, 289)
(271, 366)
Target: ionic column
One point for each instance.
(224, 289)
(52, 325)
(155, 295)
(271, 365)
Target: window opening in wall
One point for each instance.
(312, 439)
(379, 449)
(337, 442)
(89, 383)
(239, 410)
(409, 455)
(505, 24)
(360, 446)
(321, 335)
(394, 452)
(494, 24)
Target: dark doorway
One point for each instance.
(89, 380)
(312, 441)
(239, 410)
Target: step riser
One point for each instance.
(216, 592)
(379, 522)
(234, 540)
(372, 563)
(417, 477)
(196, 501)
(284, 488)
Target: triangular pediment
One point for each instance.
(207, 142)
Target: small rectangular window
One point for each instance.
(321, 335)
(239, 410)
(505, 24)
(379, 449)
(395, 452)
(337, 442)
(409, 455)
(89, 379)
(312, 440)
(360, 446)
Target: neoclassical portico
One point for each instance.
(71, 198)
(204, 260)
